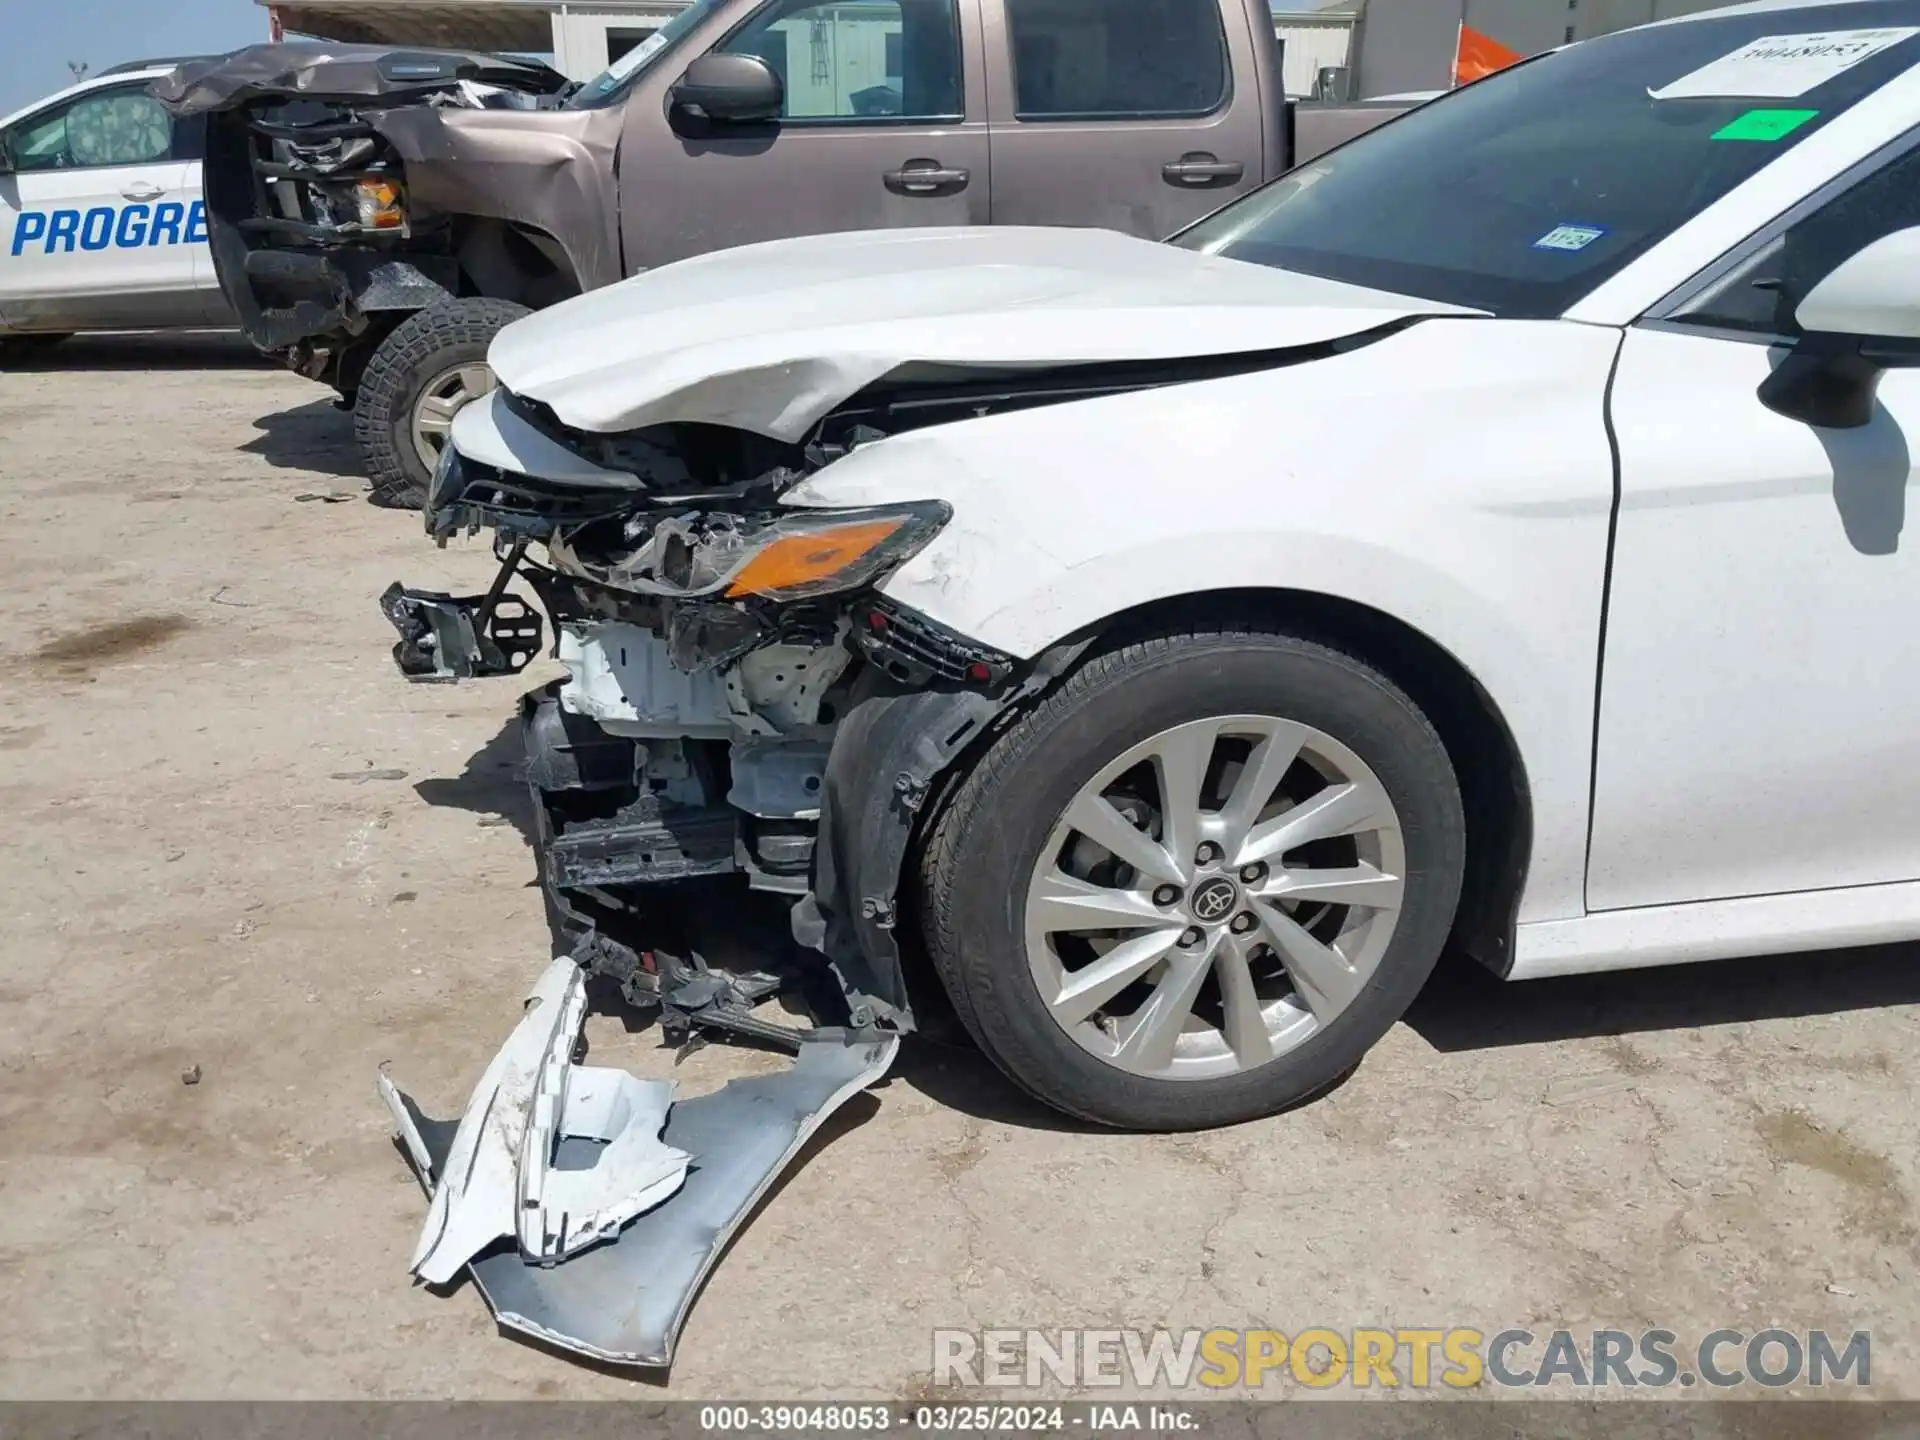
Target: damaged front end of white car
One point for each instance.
(744, 698)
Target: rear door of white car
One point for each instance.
(1759, 728)
(101, 219)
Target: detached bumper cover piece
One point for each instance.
(611, 1253)
(506, 1172)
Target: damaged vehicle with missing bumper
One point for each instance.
(1175, 646)
(1175, 867)
(377, 216)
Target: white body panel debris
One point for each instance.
(609, 1258)
(499, 1179)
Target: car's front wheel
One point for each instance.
(416, 382)
(1198, 881)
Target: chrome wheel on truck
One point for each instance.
(1198, 880)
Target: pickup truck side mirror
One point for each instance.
(1862, 320)
(731, 88)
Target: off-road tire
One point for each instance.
(979, 854)
(421, 347)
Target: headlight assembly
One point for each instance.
(829, 552)
(795, 555)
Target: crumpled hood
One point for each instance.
(306, 70)
(770, 338)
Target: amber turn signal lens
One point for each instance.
(379, 204)
(797, 561)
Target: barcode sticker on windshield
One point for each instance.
(1780, 67)
(1569, 237)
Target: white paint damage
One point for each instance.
(770, 338)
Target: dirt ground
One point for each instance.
(238, 845)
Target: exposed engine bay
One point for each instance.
(716, 643)
(738, 703)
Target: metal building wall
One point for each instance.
(1312, 42)
(1408, 44)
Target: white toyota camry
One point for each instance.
(1493, 531)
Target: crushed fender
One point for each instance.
(618, 1198)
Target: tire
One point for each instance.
(421, 351)
(30, 346)
(982, 851)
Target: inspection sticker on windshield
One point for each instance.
(1783, 66)
(1763, 125)
(1569, 237)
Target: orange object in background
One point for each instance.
(1476, 56)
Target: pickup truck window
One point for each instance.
(859, 59)
(1521, 193)
(1116, 59)
(611, 85)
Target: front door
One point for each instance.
(101, 221)
(1122, 114)
(883, 125)
(1760, 699)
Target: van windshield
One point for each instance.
(611, 84)
(1520, 194)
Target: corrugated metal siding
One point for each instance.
(1312, 42)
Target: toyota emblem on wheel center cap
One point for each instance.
(1215, 900)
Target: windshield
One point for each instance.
(1521, 193)
(610, 84)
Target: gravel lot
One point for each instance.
(237, 842)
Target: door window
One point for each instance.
(859, 60)
(112, 127)
(1762, 293)
(1117, 59)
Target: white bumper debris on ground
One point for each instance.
(570, 1161)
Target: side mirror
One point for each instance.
(1862, 320)
(6, 154)
(731, 88)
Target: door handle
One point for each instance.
(143, 190)
(926, 177)
(1199, 170)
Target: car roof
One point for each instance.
(119, 75)
(131, 66)
(1759, 7)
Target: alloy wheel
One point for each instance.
(1214, 897)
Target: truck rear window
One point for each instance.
(1114, 59)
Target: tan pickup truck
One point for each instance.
(376, 216)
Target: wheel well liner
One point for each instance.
(505, 260)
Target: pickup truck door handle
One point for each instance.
(1199, 170)
(926, 177)
(143, 190)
